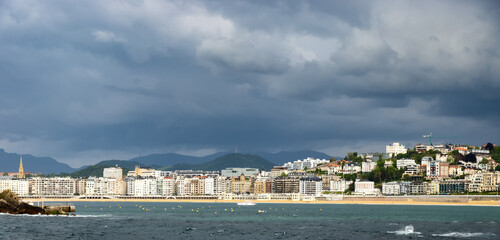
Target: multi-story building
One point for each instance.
(278, 171)
(310, 185)
(351, 168)
(418, 188)
(483, 182)
(286, 185)
(236, 172)
(145, 187)
(391, 188)
(405, 162)
(113, 172)
(432, 187)
(339, 185)
(53, 186)
(166, 186)
(309, 163)
(365, 187)
(105, 186)
(242, 184)
(221, 185)
(326, 179)
(453, 186)
(18, 186)
(395, 149)
(368, 166)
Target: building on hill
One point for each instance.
(309, 163)
(112, 172)
(405, 162)
(368, 166)
(395, 149)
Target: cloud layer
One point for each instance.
(113, 79)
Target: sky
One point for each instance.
(84, 81)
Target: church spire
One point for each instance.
(21, 170)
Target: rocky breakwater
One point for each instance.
(9, 203)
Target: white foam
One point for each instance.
(463, 234)
(408, 230)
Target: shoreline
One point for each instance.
(367, 202)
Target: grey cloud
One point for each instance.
(137, 77)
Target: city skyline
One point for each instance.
(89, 81)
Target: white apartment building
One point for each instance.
(310, 186)
(368, 166)
(391, 188)
(365, 187)
(405, 162)
(53, 186)
(166, 186)
(309, 163)
(339, 185)
(113, 172)
(221, 185)
(395, 149)
(105, 186)
(145, 187)
(209, 186)
(180, 184)
(18, 186)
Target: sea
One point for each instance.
(149, 220)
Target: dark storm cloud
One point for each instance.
(94, 80)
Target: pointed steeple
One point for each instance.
(21, 170)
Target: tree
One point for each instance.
(497, 168)
(457, 156)
(470, 158)
(333, 159)
(489, 146)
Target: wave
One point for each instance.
(463, 234)
(408, 230)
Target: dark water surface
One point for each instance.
(279, 221)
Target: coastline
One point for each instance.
(367, 202)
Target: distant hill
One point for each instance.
(97, 170)
(287, 156)
(170, 159)
(126, 164)
(228, 160)
(9, 162)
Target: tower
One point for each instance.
(21, 170)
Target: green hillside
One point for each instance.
(96, 170)
(228, 160)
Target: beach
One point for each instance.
(382, 201)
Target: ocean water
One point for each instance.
(126, 220)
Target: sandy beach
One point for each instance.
(495, 202)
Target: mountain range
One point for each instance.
(9, 162)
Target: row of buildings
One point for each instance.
(307, 177)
